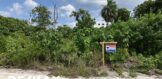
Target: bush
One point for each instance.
(146, 35)
(132, 72)
(120, 56)
(142, 35)
(142, 64)
(147, 63)
(118, 68)
(159, 60)
(2, 44)
(158, 71)
(19, 51)
(67, 54)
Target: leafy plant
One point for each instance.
(120, 56)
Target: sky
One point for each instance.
(21, 9)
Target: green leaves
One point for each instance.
(84, 19)
(109, 11)
(142, 35)
(123, 14)
(18, 49)
(121, 33)
(120, 56)
(41, 16)
(149, 6)
(159, 59)
(10, 25)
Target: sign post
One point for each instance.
(110, 47)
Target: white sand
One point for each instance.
(30, 74)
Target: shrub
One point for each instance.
(142, 35)
(19, 50)
(146, 35)
(2, 44)
(159, 60)
(118, 68)
(132, 72)
(158, 71)
(146, 62)
(120, 56)
(67, 54)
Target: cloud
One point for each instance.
(5, 13)
(99, 2)
(16, 7)
(66, 10)
(129, 4)
(30, 3)
(64, 13)
(72, 24)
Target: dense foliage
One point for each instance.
(83, 19)
(149, 6)
(41, 16)
(123, 14)
(109, 11)
(139, 42)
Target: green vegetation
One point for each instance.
(149, 6)
(76, 51)
(79, 71)
(132, 72)
(111, 13)
(41, 16)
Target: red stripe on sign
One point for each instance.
(111, 46)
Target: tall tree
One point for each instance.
(150, 6)
(83, 18)
(144, 8)
(41, 16)
(109, 11)
(123, 14)
(158, 5)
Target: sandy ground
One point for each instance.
(30, 74)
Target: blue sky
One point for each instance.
(22, 8)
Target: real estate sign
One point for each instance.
(110, 48)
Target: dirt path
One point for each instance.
(30, 74)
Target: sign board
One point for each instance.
(110, 48)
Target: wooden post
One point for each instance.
(103, 54)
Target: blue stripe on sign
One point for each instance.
(110, 49)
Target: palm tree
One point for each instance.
(109, 11)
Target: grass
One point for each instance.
(118, 69)
(132, 72)
(158, 71)
(78, 71)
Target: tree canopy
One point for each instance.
(41, 16)
(150, 6)
(83, 18)
(109, 11)
(123, 14)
